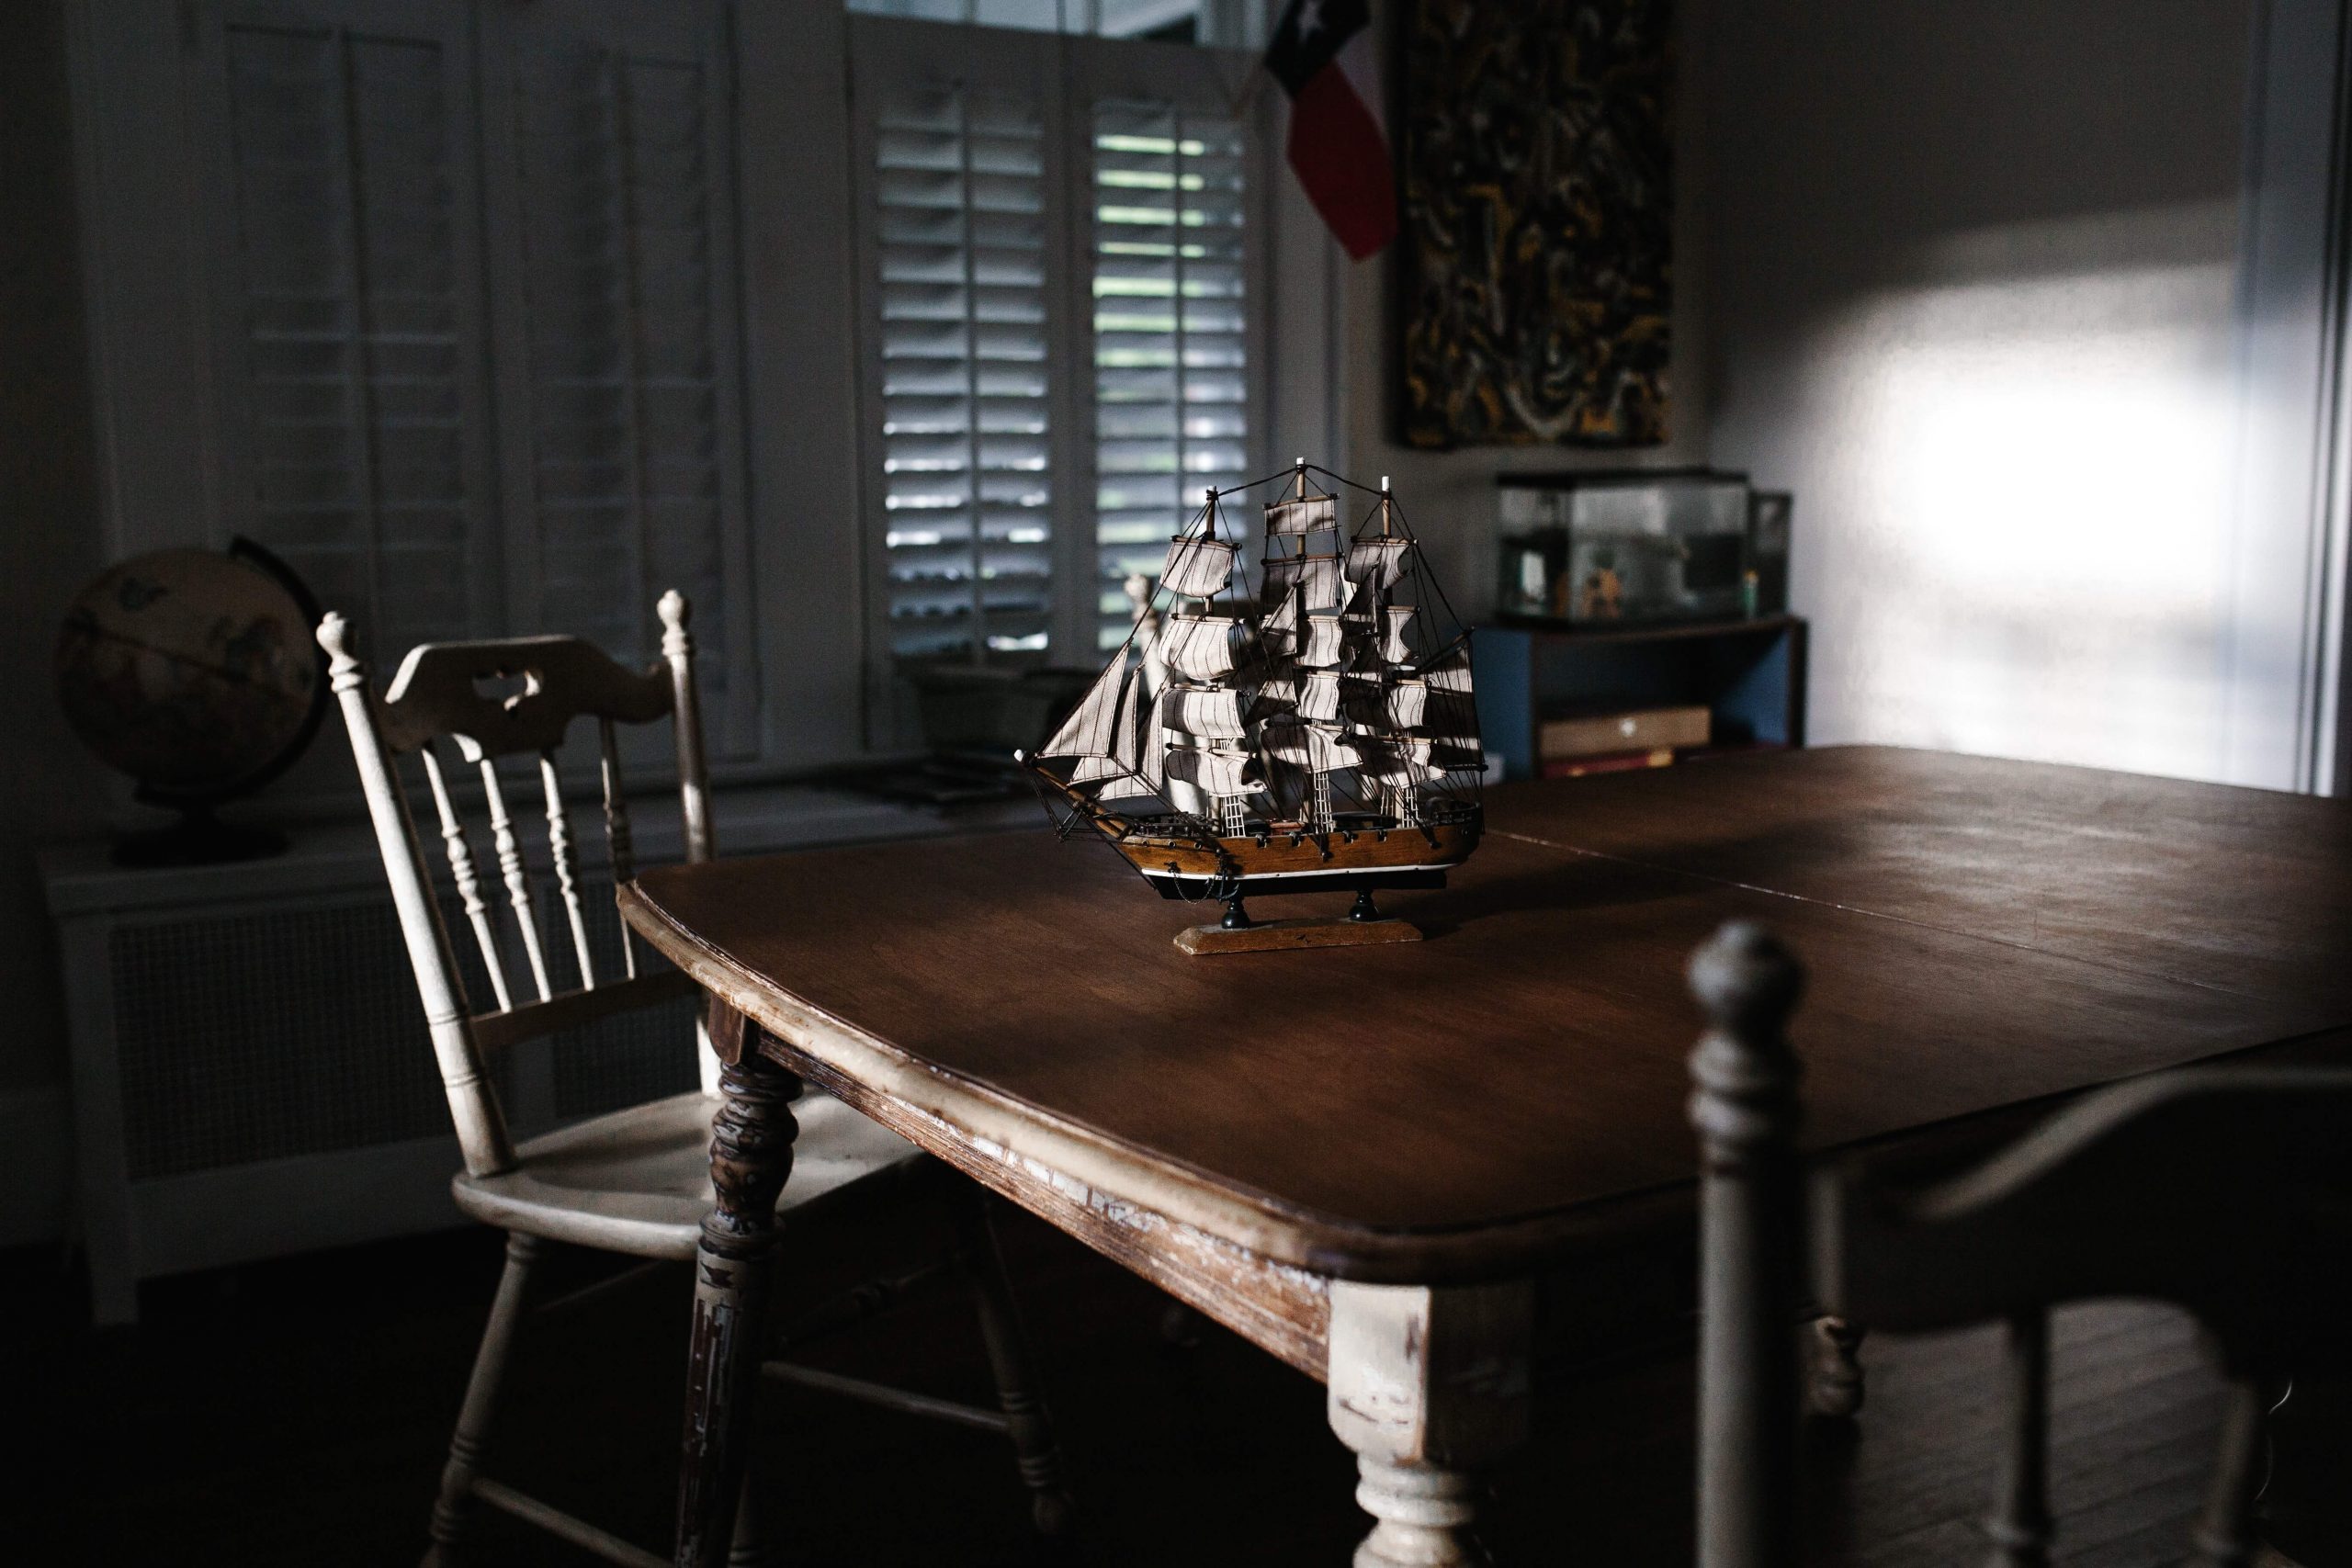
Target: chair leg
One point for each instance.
(748, 1550)
(454, 1508)
(1026, 1422)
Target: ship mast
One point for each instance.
(1337, 700)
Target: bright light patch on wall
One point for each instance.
(2021, 509)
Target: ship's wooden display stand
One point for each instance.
(1363, 926)
(1273, 936)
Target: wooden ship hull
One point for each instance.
(1361, 855)
(1316, 735)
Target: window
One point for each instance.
(1061, 257)
(494, 318)
(624, 452)
(1170, 299)
(475, 316)
(959, 200)
(1233, 24)
(363, 406)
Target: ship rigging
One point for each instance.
(1318, 734)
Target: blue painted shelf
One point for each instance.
(1750, 674)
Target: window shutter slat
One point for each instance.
(958, 200)
(622, 274)
(1171, 356)
(348, 276)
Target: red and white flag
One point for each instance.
(1321, 53)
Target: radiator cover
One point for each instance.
(252, 1075)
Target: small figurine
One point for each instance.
(1603, 597)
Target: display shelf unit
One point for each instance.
(1750, 674)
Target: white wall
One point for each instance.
(1971, 273)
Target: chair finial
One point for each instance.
(1743, 1076)
(676, 612)
(1746, 980)
(344, 669)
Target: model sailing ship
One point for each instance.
(1319, 736)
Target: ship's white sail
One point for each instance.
(1320, 700)
(1093, 725)
(1384, 710)
(1376, 563)
(1215, 771)
(1278, 603)
(1314, 747)
(1331, 699)
(1450, 670)
(1394, 647)
(1408, 701)
(1293, 582)
(1205, 713)
(1126, 787)
(1140, 753)
(1306, 514)
(1199, 647)
(1144, 755)
(1197, 567)
(1326, 641)
(1450, 721)
(1322, 582)
(1130, 750)
(1328, 751)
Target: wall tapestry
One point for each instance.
(1538, 216)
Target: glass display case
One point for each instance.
(1639, 545)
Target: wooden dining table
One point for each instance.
(1424, 1172)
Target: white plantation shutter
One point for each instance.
(959, 199)
(1169, 263)
(1057, 245)
(347, 300)
(621, 390)
(476, 313)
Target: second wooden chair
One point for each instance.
(2225, 1191)
(634, 1181)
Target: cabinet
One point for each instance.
(1750, 674)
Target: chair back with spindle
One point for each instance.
(438, 710)
(2226, 1192)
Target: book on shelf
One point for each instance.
(1607, 762)
(1578, 733)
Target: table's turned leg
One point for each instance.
(750, 1155)
(1429, 1387)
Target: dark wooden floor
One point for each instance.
(293, 1413)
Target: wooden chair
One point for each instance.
(634, 1181)
(2225, 1191)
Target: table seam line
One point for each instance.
(1879, 915)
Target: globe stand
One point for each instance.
(198, 838)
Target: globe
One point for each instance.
(194, 672)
